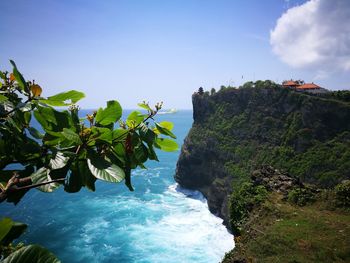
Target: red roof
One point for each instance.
(290, 83)
(309, 86)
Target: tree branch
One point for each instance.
(13, 110)
(16, 184)
(40, 184)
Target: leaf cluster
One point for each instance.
(66, 149)
(9, 231)
(342, 194)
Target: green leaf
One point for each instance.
(166, 145)
(62, 119)
(103, 134)
(151, 153)
(110, 114)
(5, 227)
(71, 136)
(144, 106)
(43, 175)
(140, 153)
(147, 134)
(73, 183)
(167, 125)
(164, 130)
(128, 178)
(119, 152)
(2, 75)
(2, 97)
(27, 117)
(134, 119)
(35, 133)
(59, 161)
(46, 117)
(104, 170)
(87, 177)
(119, 134)
(19, 78)
(10, 230)
(64, 98)
(24, 107)
(31, 253)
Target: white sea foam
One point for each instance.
(157, 223)
(187, 230)
(173, 226)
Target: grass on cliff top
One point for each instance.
(281, 232)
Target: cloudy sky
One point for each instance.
(164, 50)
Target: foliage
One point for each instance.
(10, 230)
(307, 136)
(304, 135)
(242, 202)
(222, 87)
(66, 150)
(248, 84)
(31, 253)
(342, 95)
(70, 150)
(342, 194)
(301, 196)
(278, 231)
(17, 253)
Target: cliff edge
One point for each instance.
(237, 130)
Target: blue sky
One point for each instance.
(151, 50)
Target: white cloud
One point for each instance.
(314, 35)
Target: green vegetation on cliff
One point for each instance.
(261, 123)
(280, 231)
(305, 135)
(295, 213)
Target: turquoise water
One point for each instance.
(158, 222)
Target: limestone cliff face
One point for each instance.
(200, 165)
(236, 130)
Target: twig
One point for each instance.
(13, 110)
(12, 185)
(40, 184)
(150, 116)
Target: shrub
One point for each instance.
(242, 202)
(342, 194)
(301, 196)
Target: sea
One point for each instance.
(158, 222)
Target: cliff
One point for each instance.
(237, 130)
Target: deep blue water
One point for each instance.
(158, 222)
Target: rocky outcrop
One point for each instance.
(275, 180)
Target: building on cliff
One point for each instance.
(292, 84)
(301, 86)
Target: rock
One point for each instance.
(274, 180)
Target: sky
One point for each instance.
(156, 50)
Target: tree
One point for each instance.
(248, 85)
(212, 91)
(69, 150)
(200, 91)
